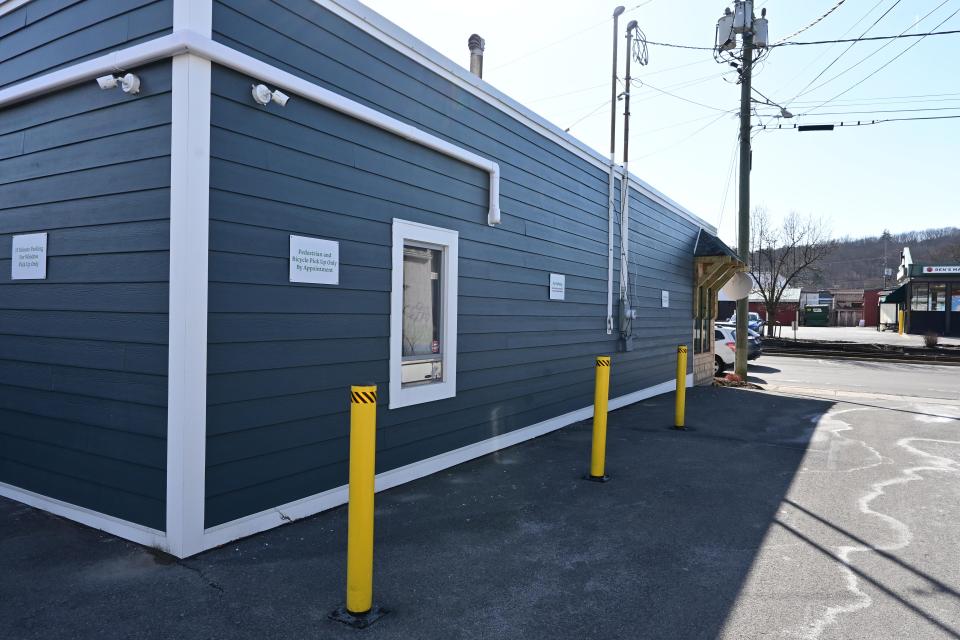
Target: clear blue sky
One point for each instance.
(555, 57)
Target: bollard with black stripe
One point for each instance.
(360, 612)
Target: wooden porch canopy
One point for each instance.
(714, 264)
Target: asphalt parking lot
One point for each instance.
(782, 515)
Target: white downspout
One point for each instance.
(610, 213)
(625, 237)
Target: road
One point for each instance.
(880, 377)
(865, 542)
(789, 515)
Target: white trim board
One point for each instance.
(439, 238)
(101, 521)
(305, 507)
(188, 286)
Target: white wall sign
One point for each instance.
(558, 286)
(664, 299)
(314, 260)
(28, 257)
(942, 269)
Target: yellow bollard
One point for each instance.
(680, 410)
(900, 321)
(360, 611)
(601, 394)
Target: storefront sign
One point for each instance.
(664, 299)
(28, 257)
(314, 260)
(942, 269)
(558, 286)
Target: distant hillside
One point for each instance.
(858, 263)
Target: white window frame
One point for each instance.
(447, 240)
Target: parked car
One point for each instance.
(754, 321)
(725, 347)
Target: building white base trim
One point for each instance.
(122, 528)
(255, 523)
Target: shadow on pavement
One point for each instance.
(758, 368)
(514, 544)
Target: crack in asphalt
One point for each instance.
(935, 463)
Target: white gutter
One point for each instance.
(184, 41)
(113, 62)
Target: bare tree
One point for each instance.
(781, 254)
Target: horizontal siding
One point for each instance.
(282, 355)
(45, 35)
(83, 354)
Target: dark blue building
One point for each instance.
(191, 279)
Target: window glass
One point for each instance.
(718, 335)
(918, 298)
(938, 297)
(421, 345)
(421, 301)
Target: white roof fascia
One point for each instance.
(387, 32)
(6, 6)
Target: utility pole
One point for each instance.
(626, 313)
(753, 33)
(743, 237)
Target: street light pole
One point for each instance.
(743, 237)
(613, 165)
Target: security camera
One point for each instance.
(262, 94)
(129, 83)
(107, 82)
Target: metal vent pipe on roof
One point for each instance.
(476, 44)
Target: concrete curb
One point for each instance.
(787, 353)
(840, 394)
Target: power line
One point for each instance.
(671, 126)
(823, 52)
(551, 44)
(568, 93)
(831, 10)
(920, 97)
(563, 39)
(673, 95)
(888, 62)
(726, 190)
(858, 123)
(876, 51)
(843, 113)
(871, 38)
(815, 42)
(682, 140)
(584, 117)
(842, 53)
